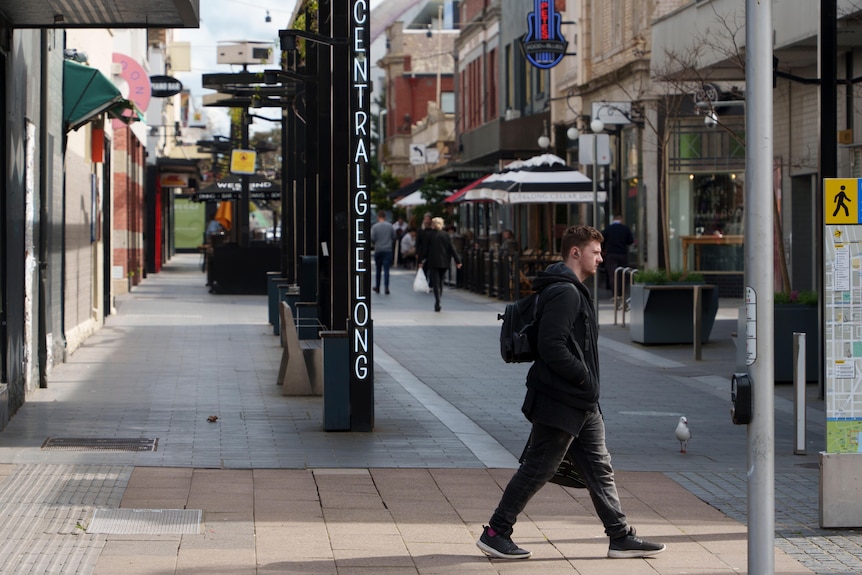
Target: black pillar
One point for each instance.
(242, 204)
(358, 118)
(828, 145)
(342, 259)
(324, 174)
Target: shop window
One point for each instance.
(706, 216)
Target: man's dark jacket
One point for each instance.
(563, 382)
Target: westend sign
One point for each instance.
(543, 44)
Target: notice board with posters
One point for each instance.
(841, 496)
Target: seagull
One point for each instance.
(683, 433)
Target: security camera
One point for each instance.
(711, 120)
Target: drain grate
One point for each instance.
(146, 521)
(100, 444)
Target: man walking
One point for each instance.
(562, 402)
(618, 238)
(383, 241)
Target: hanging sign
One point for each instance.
(543, 44)
(242, 161)
(165, 86)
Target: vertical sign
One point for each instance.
(359, 327)
(544, 45)
(842, 283)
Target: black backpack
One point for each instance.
(518, 334)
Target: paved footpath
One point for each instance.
(262, 489)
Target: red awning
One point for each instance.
(456, 197)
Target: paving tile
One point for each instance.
(270, 480)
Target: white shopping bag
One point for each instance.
(420, 283)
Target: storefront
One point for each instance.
(706, 170)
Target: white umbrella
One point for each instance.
(412, 199)
(541, 179)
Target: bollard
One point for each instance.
(631, 273)
(697, 320)
(799, 388)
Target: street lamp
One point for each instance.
(439, 50)
(597, 126)
(544, 140)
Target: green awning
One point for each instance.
(86, 94)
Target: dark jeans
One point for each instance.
(436, 281)
(547, 447)
(383, 261)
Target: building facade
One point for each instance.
(57, 163)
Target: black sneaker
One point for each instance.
(500, 547)
(633, 546)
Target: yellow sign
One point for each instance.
(841, 196)
(242, 161)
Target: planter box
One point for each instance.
(787, 319)
(664, 314)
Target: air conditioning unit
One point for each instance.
(513, 114)
(246, 53)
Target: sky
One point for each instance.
(227, 21)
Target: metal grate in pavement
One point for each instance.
(100, 444)
(146, 521)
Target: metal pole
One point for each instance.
(799, 374)
(759, 284)
(623, 296)
(697, 316)
(439, 50)
(596, 216)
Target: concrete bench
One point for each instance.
(301, 369)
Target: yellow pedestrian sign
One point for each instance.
(242, 161)
(841, 196)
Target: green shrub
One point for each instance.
(660, 277)
(803, 297)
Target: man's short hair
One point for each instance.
(381, 214)
(579, 236)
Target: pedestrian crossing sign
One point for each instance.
(841, 196)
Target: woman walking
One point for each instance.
(438, 254)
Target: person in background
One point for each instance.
(408, 249)
(425, 233)
(437, 256)
(383, 241)
(562, 403)
(508, 245)
(400, 226)
(615, 249)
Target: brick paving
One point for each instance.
(280, 495)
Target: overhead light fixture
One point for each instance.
(74, 55)
(268, 18)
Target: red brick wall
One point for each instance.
(128, 223)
